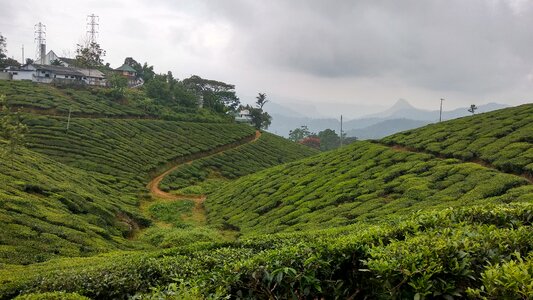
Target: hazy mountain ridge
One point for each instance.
(402, 116)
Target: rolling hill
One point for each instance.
(77, 192)
(256, 216)
(360, 182)
(500, 138)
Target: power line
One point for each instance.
(92, 28)
(40, 39)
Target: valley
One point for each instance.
(169, 207)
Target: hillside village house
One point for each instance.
(58, 74)
(51, 68)
(243, 116)
(131, 74)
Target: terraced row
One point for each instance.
(96, 102)
(126, 149)
(482, 251)
(360, 182)
(269, 150)
(502, 138)
(48, 209)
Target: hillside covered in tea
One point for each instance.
(155, 208)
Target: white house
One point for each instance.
(243, 116)
(49, 74)
(58, 74)
(47, 59)
(92, 76)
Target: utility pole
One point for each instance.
(341, 130)
(68, 120)
(440, 115)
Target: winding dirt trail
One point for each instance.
(198, 212)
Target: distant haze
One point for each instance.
(332, 55)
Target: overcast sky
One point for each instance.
(310, 51)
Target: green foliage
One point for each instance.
(12, 131)
(182, 235)
(89, 55)
(4, 60)
(159, 89)
(425, 255)
(171, 212)
(52, 296)
(299, 134)
(217, 96)
(509, 280)
(502, 138)
(268, 151)
(98, 102)
(362, 181)
(119, 84)
(126, 149)
(48, 209)
(85, 200)
(3, 45)
(329, 140)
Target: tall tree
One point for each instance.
(217, 95)
(329, 139)
(298, 134)
(4, 60)
(12, 131)
(89, 56)
(472, 109)
(3, 45)
(119, 84)
(261, 100)
(134, 64)
(260, 119)
(147, 72)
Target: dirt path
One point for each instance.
(198, 212)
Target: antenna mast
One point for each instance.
(92, 28)
(341, 131)
(40, 39)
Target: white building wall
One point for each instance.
(23, 74)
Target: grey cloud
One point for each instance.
(470, 46)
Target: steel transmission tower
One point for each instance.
(40, 39)
(92, 28)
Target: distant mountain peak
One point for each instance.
(401, 104)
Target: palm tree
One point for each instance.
(472, 109)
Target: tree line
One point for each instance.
(164, 89)
(324, 140)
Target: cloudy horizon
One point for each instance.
(360, 53)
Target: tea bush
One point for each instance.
(502, 138)
(97, 102)
(359, 182)
(447, 253)
(126, 150)
(269, 150)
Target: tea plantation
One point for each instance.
(269, 150)
(366, 221)
(126, 149)
(502, 138)
(48, 209)
(360, 182)
(475, 252)
(96, 102)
